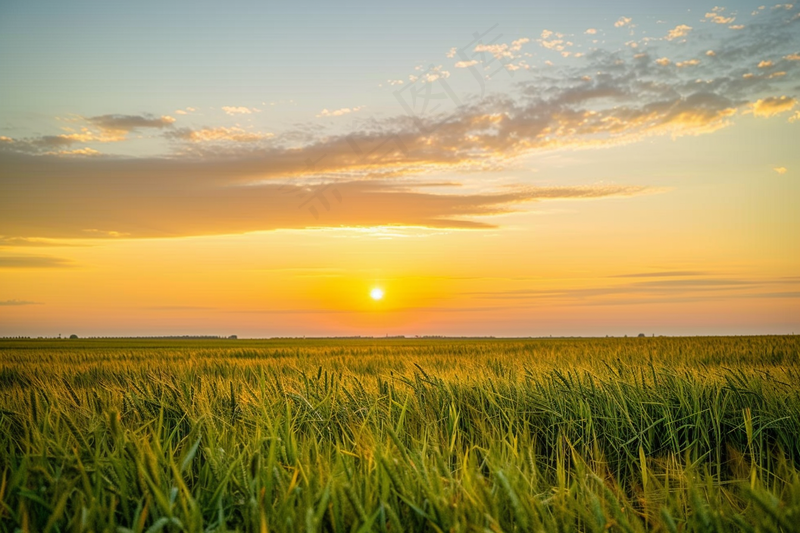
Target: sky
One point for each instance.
(522, 169)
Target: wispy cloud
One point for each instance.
(99, 129)
(504, 50)
(662, 289)
(33, 261)
(17, 302)
(14, 242)
(663, 274)
(240, 110)
(339, 112)
(622, 22)
(174, 200)
(232, 134)
(609, 98)
(180, 308)
(717, 16)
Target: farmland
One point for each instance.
(621, 434)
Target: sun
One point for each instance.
(376, 293)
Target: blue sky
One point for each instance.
(95, 58)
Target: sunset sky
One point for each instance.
(495, 168)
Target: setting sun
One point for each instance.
(376, 293)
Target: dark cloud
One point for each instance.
(129, 123)
(37, 145)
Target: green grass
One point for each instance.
(639, 434)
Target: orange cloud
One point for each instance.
(172, 200)
(233, 134)
(768, 107)
(678, 31)
(622, 22)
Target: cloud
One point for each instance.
(663, 61)
(13, 242)
(681, 288)
(517, 45)
(792, 57)
(591, 31)
(717, 17)
(466, 64)
(622, 22)
(128, 123)
(79, 151)
(557, 43)
(233, 134)
(51, 144)
(736, 27)
(608, 98)
(339, 112)
(33, 261)
(99, 129)
(499, 51)
(774, 105)
(172, 200)
(435, 73)
(662, 274)
(765, 64)
(681, 30)
(241, 110)
(180, 308)
(185, 111)
(17, 302)
(780, 170)
(688, 63)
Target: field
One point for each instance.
(625, 434)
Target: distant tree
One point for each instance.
(73, 336)
(233, 337)
(642, 335)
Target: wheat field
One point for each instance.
(357, 435)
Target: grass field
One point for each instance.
(633, 434)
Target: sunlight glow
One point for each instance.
(376, 294)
